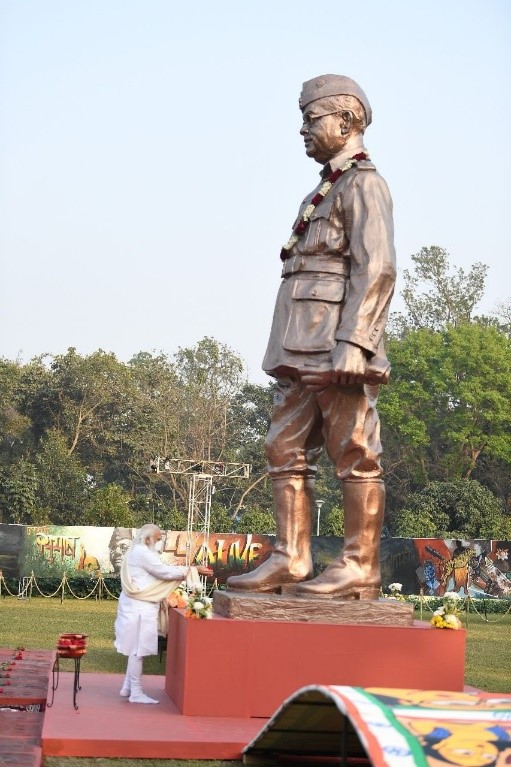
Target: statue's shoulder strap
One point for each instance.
(365, 165)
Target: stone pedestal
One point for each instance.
(287, 607)
(247, 668)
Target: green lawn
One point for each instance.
(36, 623)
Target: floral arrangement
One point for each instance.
(395, 592)
(196, 605)
(178, 598)
(199, 606)
(446, 616)
(318, 197)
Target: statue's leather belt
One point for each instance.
(319, 263)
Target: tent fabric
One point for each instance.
(387, 728)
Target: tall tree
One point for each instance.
(438, 295)
(457, 509)
(448, 405)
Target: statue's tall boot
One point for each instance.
(291, 561)
(355, 574)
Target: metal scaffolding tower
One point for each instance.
(200, 492)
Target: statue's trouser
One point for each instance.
(355, 574)
(290, 561)
(345, 421)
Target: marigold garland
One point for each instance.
(304, 222)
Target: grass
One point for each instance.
(36, 623)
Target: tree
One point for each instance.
(15, 436)
(447, 406)
(109, 506)
(456, 509)
(257, 520)
(438, 296)
(333, 522)
(210, 375)
(18, 494)
(62, 483)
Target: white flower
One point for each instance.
(207, 601)
(292, 241)
(440, 611)
(452, 621)
(396, 587)
(325, 188)
(451, 595)
(307, 212)
(198, 606)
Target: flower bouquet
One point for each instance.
(178, 598)
(194, 603)
(446, 616)
(395, 591)
(199, 606)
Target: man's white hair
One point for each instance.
(145, 533)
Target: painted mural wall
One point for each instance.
(433, 565)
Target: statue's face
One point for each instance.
(322, 134)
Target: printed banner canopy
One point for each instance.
(388, 727)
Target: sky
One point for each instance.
(151, 165)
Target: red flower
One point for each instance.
(302, 225)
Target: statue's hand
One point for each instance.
(316, 380)
(349, 364)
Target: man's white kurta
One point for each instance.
(136, 625)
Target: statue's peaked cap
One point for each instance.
(334, 85)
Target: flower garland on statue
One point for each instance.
(195, 604)
(446, 616)
(304, 222)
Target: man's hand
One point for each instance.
(349, 364)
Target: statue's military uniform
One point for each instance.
(338, 280)
(337, 285)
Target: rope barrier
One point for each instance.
(26, 586)
(420, 602)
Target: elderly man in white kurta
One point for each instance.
(146, 583)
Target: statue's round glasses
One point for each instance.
(309, 119)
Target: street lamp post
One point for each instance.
(319, 504)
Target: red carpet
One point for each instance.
(107, 725)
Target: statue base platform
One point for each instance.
(247, 668)
(239, 605)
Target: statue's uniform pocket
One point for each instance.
(314, 313)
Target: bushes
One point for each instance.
(77, 587)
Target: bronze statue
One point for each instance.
(326, 352)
